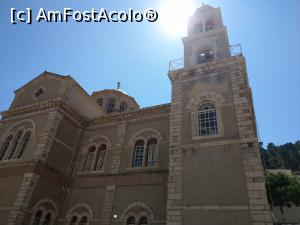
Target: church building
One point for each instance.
(70, 158)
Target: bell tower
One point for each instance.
(215, 171)
(207, 37)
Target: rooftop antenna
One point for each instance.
(118, 85)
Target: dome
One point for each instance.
(115, 101)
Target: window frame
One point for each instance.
(110, 105)
(89, 158)
(7, 144)
(97, 145)
(207, 119)
(16, 144)
(193, 106)
(145, 159)
(123, 107)
(135, 150)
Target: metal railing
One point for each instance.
(232, 50)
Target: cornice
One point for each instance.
(141, 113)
(58, 103)
(205, 68)
(44, 106)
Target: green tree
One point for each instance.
(283, 190)
(285, 156)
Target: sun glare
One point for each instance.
(174, 15)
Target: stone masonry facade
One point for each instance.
(70, 158)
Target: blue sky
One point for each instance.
(98, 55)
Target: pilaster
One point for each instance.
(174, 211)
(108, 204)
(115, 168)
(258, 203)
(22, 201)
(47, 138)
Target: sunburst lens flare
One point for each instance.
(174, 15)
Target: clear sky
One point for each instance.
(98, 55)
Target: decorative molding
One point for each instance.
(46, 200)
(218, 100)
(145, 134)
(212, 96)
(83, 205)
(97, 141)
(14, 125)
(44, 106)
(33, 94)
(127, 211)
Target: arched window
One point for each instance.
(152, 152)
(5, 146)
(209, 25)
(74, 220)
(130, 221)
(138, 156)
(89, 158)
(123, 107)
(110, 105)
(24, 143)
(143, 221)
(100, 157)
(37, 218)
(47, 219)
(83, 221)
(15, 144)
(205, 56)
(207, 119)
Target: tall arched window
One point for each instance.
(47, 219)
(5, 146)
(24, 143)
(15, 144)
(123, 107)
(100, 157)
(138, 157)
(37, 218)
(89, 159)
(152, 152)
(74, 220)
(143, 221)
(83, 221)
(130, 221)
(110, 105)
(207, 119)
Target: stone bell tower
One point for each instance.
(215, 172)
(207, 37)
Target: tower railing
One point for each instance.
(187, 62)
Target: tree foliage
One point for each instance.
(283, 190)
(285, 156)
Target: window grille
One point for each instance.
(207, 119)
(152, 152)
(138, 154)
